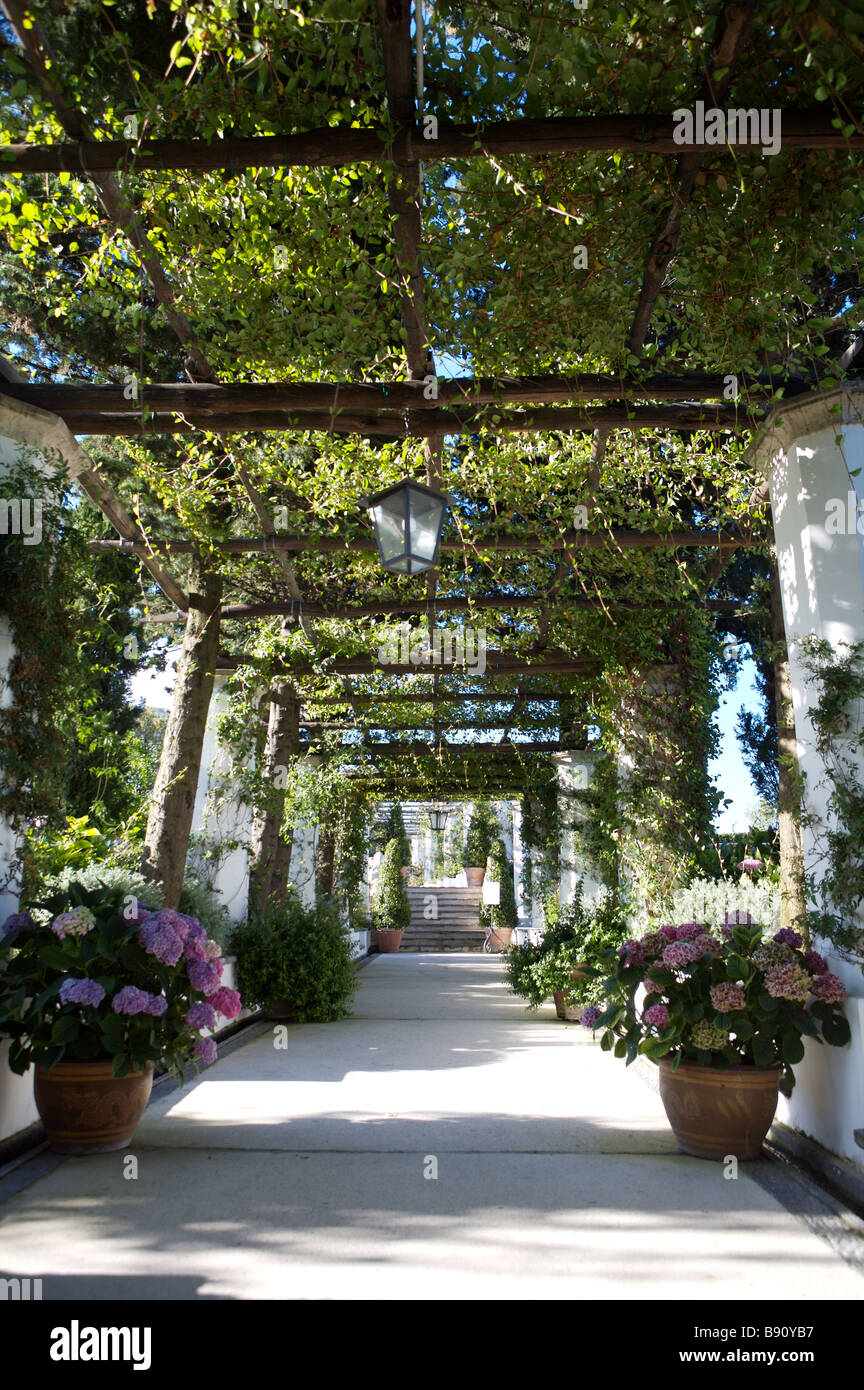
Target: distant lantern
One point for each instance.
(438, 818)
(408, 519)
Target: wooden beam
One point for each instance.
(616, 538)
(335, 146)
(497, 663)
(203, 399)
(500, 697)
(686, 419)
(505, 750)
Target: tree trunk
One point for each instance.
(170, 821)
(793, 899)
(269, 851)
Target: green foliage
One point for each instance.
(299, 953)
(498, 870)
(838, 720)
(395, 830)
(391, 909)
(755, 1025)
(578, 939)
(104, 948)
(481, 828)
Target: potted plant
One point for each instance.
(477, 845)
(295, 963)
(502, 916)
(563, 963)
(391, 909)
(94, 994)
(725, 1019)
(395, 830)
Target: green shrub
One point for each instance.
(298, 953)
(395, 830)
(498, 871)
(534, 972)
(481, 829)
(391, 909)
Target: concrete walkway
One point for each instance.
(301, 1172)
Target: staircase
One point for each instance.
(456, 927)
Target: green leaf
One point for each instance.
(792, 1046)
(65, 1028)
(764, 1050)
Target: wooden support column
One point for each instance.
(793, 899)
(173, 798)
(269, 849)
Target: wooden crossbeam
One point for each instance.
(687, 419)
(204, 399)
(335, 146)
(616, 538)
(497, 663)
(418, 747)
(499, 697)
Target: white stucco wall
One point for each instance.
(810, 457)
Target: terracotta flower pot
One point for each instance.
(719, 1114)
(86, 1110)
(389, 940)
(406, 869)
(474, 877)
(501, 939)
(571, 1013)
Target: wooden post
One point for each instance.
(269, 850)
(173, 802)
(793, 900)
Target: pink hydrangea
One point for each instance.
(816, 964)
(204, 975)
(657, 1016)
(632, 952)
(691, 931)
(227, 1002)
(789, 982)
(670, 933)
(680, 953)
(829, 988)
(652, 986)
(78, 922)
(727, 996)
(710, 943)
(196, 948)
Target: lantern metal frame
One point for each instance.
(409, 486)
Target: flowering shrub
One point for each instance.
(90, 982)
(718, 1000)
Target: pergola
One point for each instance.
(536, 691)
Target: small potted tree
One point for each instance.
(502, 916)
(391, 910)
(296, 963)
(477, 846)
(395, 830)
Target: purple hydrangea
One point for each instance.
(652, 986)
(591, 1015)
(82, 992)
(204, 975)
(829, 988)
(205, 1050)
(653, 943)
(227, 1002)
(130, 1000)
(201, 1016)
(680, 953)
(195, 948)
(18, 921)
(788, 937)
(727, 996)
(816, 964)
(789, 982)
(657, 1016)
(161, 941)
(632, 952)
(157, 1005)
(710, 943)
(174, 921)
(139, 915)
(670, 933)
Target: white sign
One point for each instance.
(491, 894)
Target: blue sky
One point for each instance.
(728, 770)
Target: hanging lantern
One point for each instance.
(408, 519)
(438, 818)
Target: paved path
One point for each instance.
(299, 1172)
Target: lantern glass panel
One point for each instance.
(426, 513)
